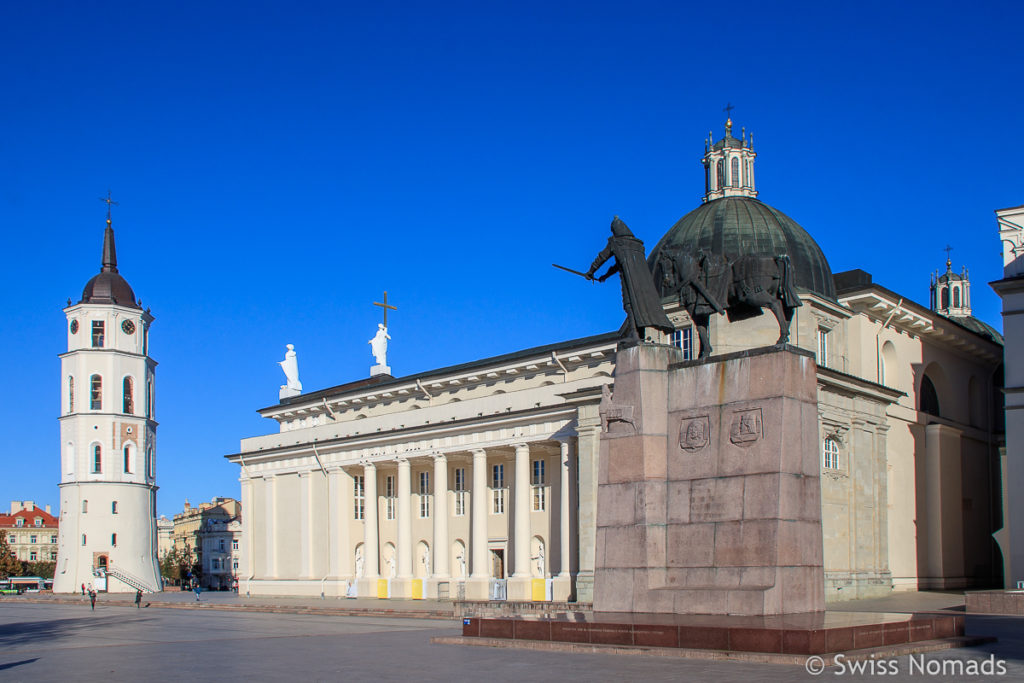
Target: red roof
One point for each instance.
(49, 521)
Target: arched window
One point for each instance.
(113, 508)
(95, 393)
(83, 539)
(928, 397)
(720, 167)
(85, 506)
(71, 394)
(944, 297)
(735, 172)
(956, 297)
(97, 458)
(830, 454)
(150, 413)
(113, 540)
(127, 459)
(149, 462)
(889, 372)
(129, 401)
(707, 179)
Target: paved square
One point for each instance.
(40, 642)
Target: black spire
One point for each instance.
(109, 252)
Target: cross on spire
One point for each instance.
(386, 306)
(728, 109)
(109, 202)
(948, 249)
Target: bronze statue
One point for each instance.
(710, 283)
(639, 296)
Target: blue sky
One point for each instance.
(280, 165)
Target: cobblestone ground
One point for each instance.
(51, 642)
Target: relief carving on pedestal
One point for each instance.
(746, 427)
(615, 418)
(693, 433)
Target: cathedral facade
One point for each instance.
(479, 480)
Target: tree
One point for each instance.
(43, 569)
(9, 564)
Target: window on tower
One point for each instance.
(95, 393)
(97, 458)
(85, 506)
(128, 459)
(71, 394)
(113, 508)
(97, 334)
(956, 297)
(944, 298)
(113, 540)
(129, 400)
(735, 172)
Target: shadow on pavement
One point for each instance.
(11, 665)
(20, 633)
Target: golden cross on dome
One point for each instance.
(109, 202)
(947, 250)
(385, 306)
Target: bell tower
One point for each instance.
(729, 165)
(107, 535)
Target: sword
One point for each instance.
(574, 272)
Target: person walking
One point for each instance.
(138, 599)
(83, 590)
(92, 599)
(197, 589)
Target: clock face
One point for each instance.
(74, 327)
(128, 326)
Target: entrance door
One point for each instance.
(497, 563)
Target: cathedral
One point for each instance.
(479, 480)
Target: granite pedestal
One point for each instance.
(709, 500)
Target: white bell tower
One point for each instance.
(108, 486)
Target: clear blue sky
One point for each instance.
(279, 165)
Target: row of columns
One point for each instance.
(479, 578)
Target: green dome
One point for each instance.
(741, 226)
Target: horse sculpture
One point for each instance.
(708, 283)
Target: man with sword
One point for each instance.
(639, 297)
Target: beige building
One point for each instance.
(190, 522)
(31, 531)
(479, 480)
(221, 541)
(164, 536)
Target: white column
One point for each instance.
(479, 578)
(371, 556)
(519, 587)
(305, 532)
(440, 551)
(270, 487)
(563, 514)
(522, 516)
(404, 547)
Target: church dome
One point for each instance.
(109, 288)
(740, 226)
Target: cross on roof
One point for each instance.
(109, 202)
(385, 306)
(728, 109)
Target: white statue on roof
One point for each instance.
(290, 365)
(379, 349)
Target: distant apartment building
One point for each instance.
(190, 522)
(164, 536)
(31, 531)
(221, 552)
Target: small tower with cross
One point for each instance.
(951, 292)
(729, 164)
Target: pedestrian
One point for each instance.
(83, 590)
(138, 599)
(92, 599)
(197, 590)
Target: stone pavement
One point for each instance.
(51, 641)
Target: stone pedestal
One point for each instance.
(709, 500)
(380, 370)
